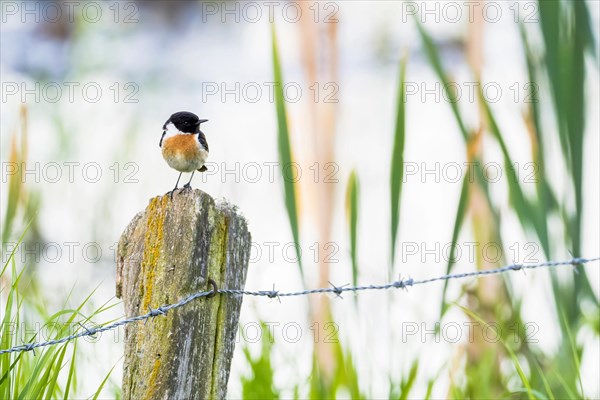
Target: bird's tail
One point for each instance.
(203, 168)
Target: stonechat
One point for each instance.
(184, 146)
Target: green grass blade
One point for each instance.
(95, 397)
(6, 340)
(44, 381)
(50, 391)
(409, 382)
(345, 374)
(436, 63)
(544, 380)
(260, 384)
(13, 251)
(584, 27)
(573, 348)
(72, 374)
(397, 167)
(537, 394)
(528, 216)
(574, 79)
(285, 151)
(550, 22)
(458, 221)
(14, 191)
(352, 194)
(37, 379)
(574, 59)
(570, 393)
(516, 363)
(430, 384)
(545, 198)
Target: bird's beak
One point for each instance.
(202, 120)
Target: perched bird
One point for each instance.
(184, 146)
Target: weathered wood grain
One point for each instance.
(169, 251)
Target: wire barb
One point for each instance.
(338, 290)
(575, 262)
(91, 332)
(517, 267)
(401, 283)
(272, 294)
(29, 347)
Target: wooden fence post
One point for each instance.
(168, 252)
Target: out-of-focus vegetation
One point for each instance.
(260, 385)
(559, 69)
(47, 372)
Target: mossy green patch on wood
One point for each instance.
(152, 246)
(152, 378)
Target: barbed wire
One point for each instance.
(399, 284)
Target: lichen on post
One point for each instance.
(167, 252)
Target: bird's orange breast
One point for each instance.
(181, 146)
(184, 153)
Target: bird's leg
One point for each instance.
(189, 184)
(173, 191)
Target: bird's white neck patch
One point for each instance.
(173, 131)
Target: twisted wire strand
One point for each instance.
(399, 284)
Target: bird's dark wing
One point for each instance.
(202, 140)
(161, 139)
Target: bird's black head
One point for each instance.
(185, 122)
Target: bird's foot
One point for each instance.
(170, 194)
(187, 186)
